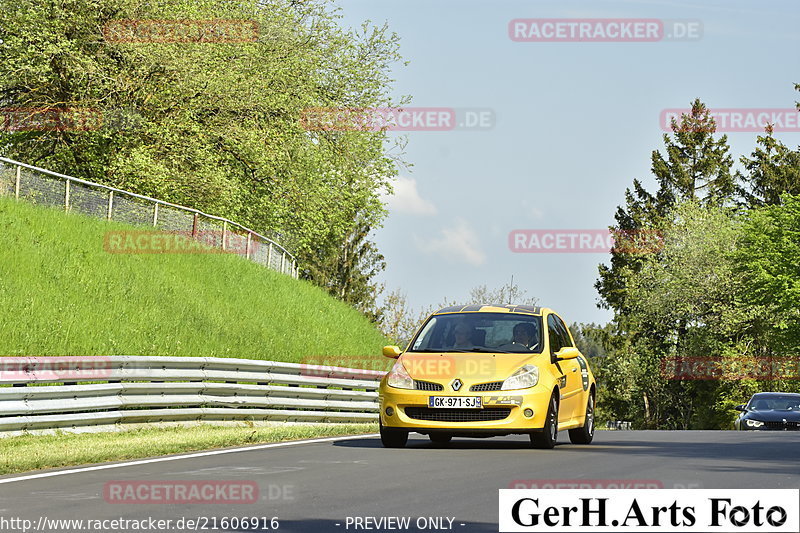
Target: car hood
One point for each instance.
(773, 416)
(469, 367)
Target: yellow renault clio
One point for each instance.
(488, 370)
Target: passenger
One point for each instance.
(463, 336)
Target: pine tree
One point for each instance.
(697, 164)
(772, 170)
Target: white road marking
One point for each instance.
(178, 457)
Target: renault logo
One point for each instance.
(456, 384)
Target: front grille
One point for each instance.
(791, 426)
(486, 387)
(457, 415)
(427, 385)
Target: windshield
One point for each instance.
(480, 332)
(778, 403)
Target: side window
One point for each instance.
(565, 342)
(553, 334)
(423, 340)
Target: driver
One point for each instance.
(525, 336)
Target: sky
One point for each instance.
(558, 129)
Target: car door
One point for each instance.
(571, 383)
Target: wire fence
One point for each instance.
(40, 186)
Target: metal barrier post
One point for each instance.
(224, 232)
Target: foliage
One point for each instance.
(772, 170)
(215, 124)
(724, 283)
(588, 339)
(769, 261)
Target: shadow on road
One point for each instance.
(419, 442)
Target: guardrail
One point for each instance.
(95, 393)
(41, 186)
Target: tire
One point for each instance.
(440, 439)
(546, 439)
(393, 438)
(584, 434)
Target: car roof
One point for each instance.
(768, 394)
(493, 308)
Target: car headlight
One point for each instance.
(398, 377)
(525, 377)
(754, 423)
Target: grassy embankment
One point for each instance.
(62, 293)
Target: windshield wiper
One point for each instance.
(480, 350)
(471, 350)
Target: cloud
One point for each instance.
(406, 199)
(459, 242)
(532, 210)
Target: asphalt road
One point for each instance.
(314, 487)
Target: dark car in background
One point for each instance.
(776, 411)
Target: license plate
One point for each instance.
(454, 402)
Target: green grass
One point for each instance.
(61, 293)
(35, 452)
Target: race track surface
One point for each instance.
(315, 487)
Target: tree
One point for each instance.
(588, 339)
(509, 293)
(213, 123)
(772, 170)
(696, 168)
(769, 261)
(397, 320)
(697, 165)
(349, 273)
(687, 299)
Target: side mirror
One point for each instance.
(391, 351)
(567, 353)
(742, 407)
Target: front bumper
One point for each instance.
(771, 426)
(397, 401)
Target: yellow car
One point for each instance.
(488, 370)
